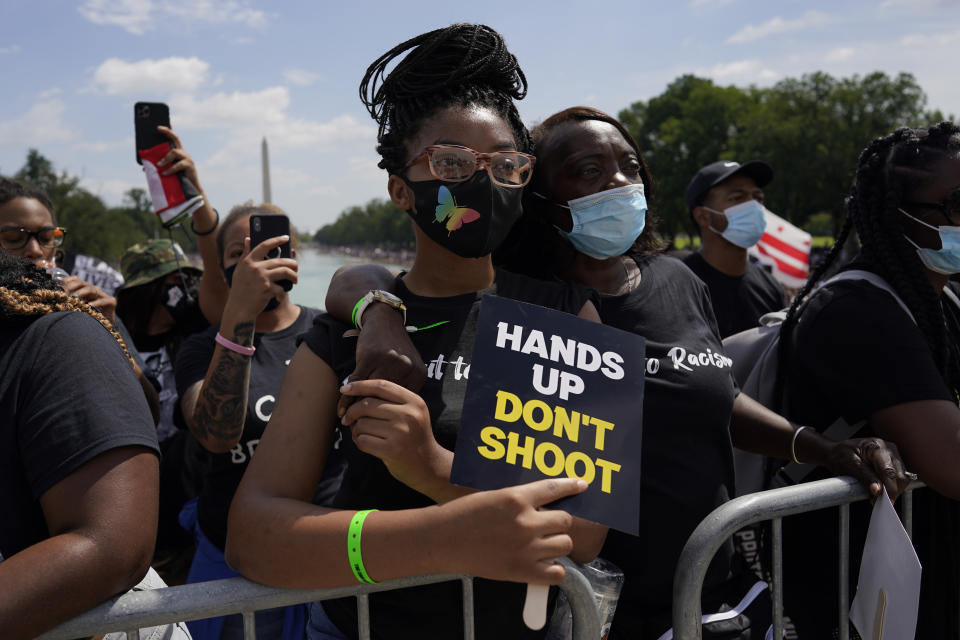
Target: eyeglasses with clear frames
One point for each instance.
(18, 237)
(453, 163)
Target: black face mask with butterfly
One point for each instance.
(469, 218)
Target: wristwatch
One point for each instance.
(378, 295)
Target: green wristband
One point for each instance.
(354, 554)
(353, 316)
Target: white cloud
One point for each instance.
(42, 123)
(164, 76)
(49, 93)
(748, 70)
(300, 77)
(10, 49)
(778, 25)
(132, 15)
(930, 40)
(228, 110)
(914, 4)
(139, 16)
(251, 115)
(215, 11)
(839, 54)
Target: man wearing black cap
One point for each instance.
(725, 200)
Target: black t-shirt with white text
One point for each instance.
(67, 394)
(687, 458)
(432, 611)
(224, 470)
(738, 301)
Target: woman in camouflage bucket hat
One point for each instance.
(158, 302)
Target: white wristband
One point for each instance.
(793, 445)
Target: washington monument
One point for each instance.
(265, 161)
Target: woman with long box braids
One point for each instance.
(855, 353)
(452, 143)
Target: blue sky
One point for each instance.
(236, 70)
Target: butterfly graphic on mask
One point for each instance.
(448, 210)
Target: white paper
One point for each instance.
(888, 590)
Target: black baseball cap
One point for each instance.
(716, 172)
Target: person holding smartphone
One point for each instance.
(212, 288)
(228, 378)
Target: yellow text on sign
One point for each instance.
(547, 456)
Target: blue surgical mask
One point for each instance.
(946, 259)
(746, 223)
(607, 223)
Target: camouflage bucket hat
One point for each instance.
(146, 261)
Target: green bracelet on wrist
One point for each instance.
(356, 307)
(354, 552)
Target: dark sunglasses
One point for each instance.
(949, 207)
(18, 237)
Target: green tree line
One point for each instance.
(809, 129)
(377, 223)
(93, 228)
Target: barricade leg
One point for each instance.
(777, 540)
(843, 571)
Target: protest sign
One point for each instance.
(554, 395)
(93, 270)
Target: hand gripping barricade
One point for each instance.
(755, 355)
(133, 611)
(770, 506)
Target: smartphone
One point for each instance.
(147, 116)
(264, 227)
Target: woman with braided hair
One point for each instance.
(29, 230)
(78, 456)
(454, 147)
(859, 353)
(585, 220)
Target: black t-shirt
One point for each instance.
(855, 351)
(224, 470)
(67, 395)
(738, 301)
(687, 459)
(432, 611)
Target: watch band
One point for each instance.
(377, 295)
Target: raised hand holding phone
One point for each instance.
(174, 197)
(264, 227)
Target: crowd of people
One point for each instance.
(203, 423)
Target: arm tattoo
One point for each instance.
(222, 403)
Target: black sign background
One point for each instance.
(505, 371)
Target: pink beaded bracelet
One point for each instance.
(233, 346)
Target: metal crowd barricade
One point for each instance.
(772, 505)
(143, 609)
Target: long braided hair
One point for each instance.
(890, 168)
(459, 65)
(28, 292)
